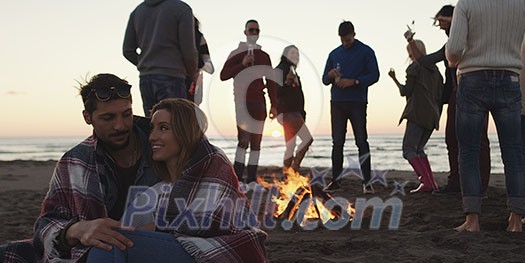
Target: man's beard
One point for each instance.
(117, 147)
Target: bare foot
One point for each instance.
(471, 224)
(515, 224)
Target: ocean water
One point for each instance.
(385, 150)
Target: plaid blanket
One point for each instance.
(218, 229)
(18, 252)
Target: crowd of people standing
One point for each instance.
(167, 159)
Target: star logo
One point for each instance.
(244, 188)
(318, 176)
(399, 188)
(379, 176)
(354, 167)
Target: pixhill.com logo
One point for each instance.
(282, 203)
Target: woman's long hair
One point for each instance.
(188, 123)
(284, 56)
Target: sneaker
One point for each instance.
(447, 190)
(332, 187)
(368, 189)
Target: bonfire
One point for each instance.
(297, 198)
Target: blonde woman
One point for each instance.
(423, 92)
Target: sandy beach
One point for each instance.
(425, 231)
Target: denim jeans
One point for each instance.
(414, 141)
(154, 88)
(149, 246)
(452, 148)
(523, 133)
(497, 92)
(341, 112)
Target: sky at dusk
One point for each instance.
(48, 46)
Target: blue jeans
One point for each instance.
(523, 133)
(154, 88)
(149, 246)
(497, 92)
(341, 112)
(414, 141)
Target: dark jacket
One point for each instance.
(423, 91)
(450, 73)
(290, 97)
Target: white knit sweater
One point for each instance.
(487, 34)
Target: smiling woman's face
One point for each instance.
(164, 144)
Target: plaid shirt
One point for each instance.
(79, 190)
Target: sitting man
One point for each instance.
(88, 191)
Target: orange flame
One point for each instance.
(293, 190)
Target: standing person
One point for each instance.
(204, 64)
(164, 32)
(522, 85)
(87, 193)
(291, 109)
(192, 170)
(248, 65)
(443, 18)
(484, 43)
(351, 68)
(423, 91)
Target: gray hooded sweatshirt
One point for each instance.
(164, 32)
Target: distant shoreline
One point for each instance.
(386, 151)
(35, 175)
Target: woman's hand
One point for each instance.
(290, 78)
(99, 233)
(392, 73)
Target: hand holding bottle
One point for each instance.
(291, 77)
(409, 34)
(249, 58)
(338, 76)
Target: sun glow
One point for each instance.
(276, 133)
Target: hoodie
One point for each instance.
(248, 84)
(152, 2)
(164, 32)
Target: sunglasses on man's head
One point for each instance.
(252, 30)
(104, 94)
